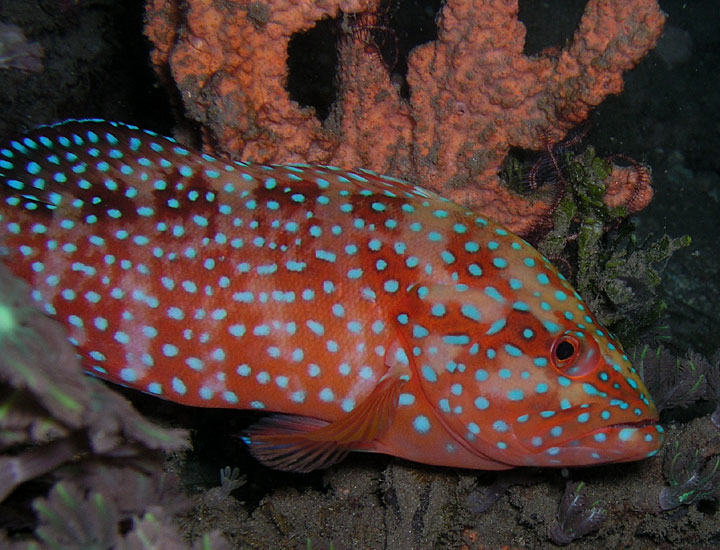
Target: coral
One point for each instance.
(479, 501)
(99, 517)
(693, 472)
(16, 52)
(673, 381)
(575, 519)
(71, 519)
(713, 389)
(473, 93)
(230, 479)
(52, 413)
(132, 490)
(692, 462)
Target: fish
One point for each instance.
(360, 311)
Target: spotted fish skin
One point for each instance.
(373, 314)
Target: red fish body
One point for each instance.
(373, 314)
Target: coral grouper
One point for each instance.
(364, 312)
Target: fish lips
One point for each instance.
(628, 441)
(616, 442)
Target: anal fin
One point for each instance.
(302, 444)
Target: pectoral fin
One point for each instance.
(302, 444)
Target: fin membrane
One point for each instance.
(302, 444)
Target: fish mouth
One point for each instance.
(630, 440)
(645, 425)
(619, 442)
(624, 437)
(639, 424)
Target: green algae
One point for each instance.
(598, 248)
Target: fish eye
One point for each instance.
(565, 351)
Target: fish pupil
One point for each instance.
(564, 350)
